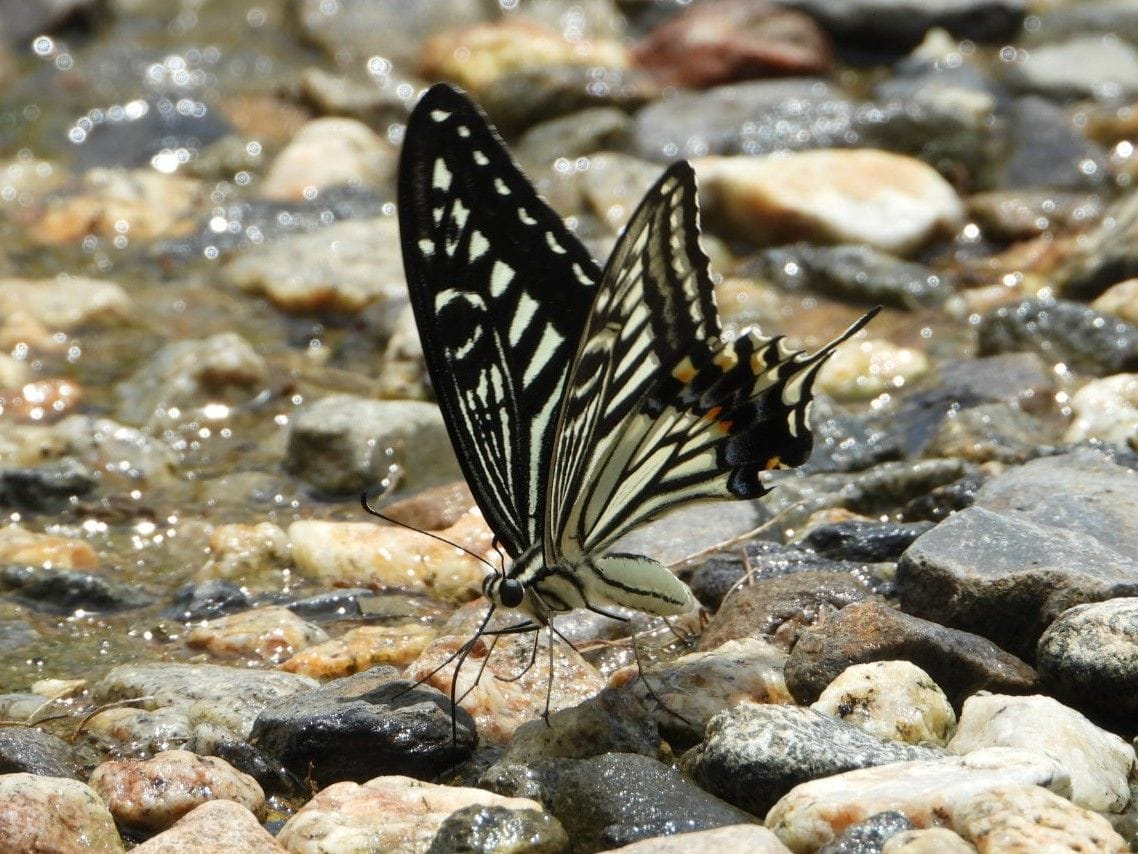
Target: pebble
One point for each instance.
(199, 692)
(865, 369)
(1120, 300)
(51, 813)
(731, 40)
(270, 634)
(363, 726)
(344, 267)
(343, 444)
(1062, 332)
(752, 755)
(18, 545)
(887, 201)
(812, 814)
(932, 840)
(1089, 66)
(356, 554)
(1087, 656)
(65, 303)
(1018, 214)
(149, 203)
(958, 662)
(327, 152)
(890, 699)
(220, 825)
(869, 834)
(1048, 150)
(1040, 538)
(1106, 409)
(1098, 762)
(155, 793)
(246, 553)
(752, 838)
(863, 539)
(221, 370)
(684, 694)
(853, 273)
(475, 57)
(389, 813)
(621, 798)
(777, 608)
(503, 683)
(1022, 819)
(481, 827)
(33, 751)
(896, 27)
(1104, 255)
(360, 649)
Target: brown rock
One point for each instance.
(959, 662)
(730, 40)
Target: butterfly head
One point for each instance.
(504, 591)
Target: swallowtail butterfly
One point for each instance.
(582, 401)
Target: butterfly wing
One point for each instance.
(659, 411)
(500, 290)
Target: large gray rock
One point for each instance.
(1054, 533)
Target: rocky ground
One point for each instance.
(926, 638)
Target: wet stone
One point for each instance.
(33, 751)
(997, 432)
(1046, 150)
(619, 798)
(47, 488)
(190, 374)
(207, 600)
(339, 444)
(496, 828)
(753, 755)
(853, 273)
(218, 825)
(942, 501)
(205, 691)
(684, 694)
(1105, 255)
(1054, 533)
(1018, 214)
(580, 134)
(614, 721)
(362, 726)
(328, 152)
(51, 813)
(155, 793)
(64, 591)
(864, 540)
(959, 662)
(733, 40)
(869, 834)
(1062, 331)
(395, 813)
(751, 838)
(270, 634)
(876, 27)
(780, 608)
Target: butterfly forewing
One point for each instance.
(655, 300)
(501, 291)
(659, 411)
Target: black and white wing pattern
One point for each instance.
(500, 289)
(582, 403)
(659, 411)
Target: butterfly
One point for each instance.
(583, 401)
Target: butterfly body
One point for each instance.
(582, 401)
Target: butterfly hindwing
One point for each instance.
(501, 290)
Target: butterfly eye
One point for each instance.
(511, 592)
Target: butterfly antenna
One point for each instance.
(371, 510)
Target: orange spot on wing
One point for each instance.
(774, 463)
